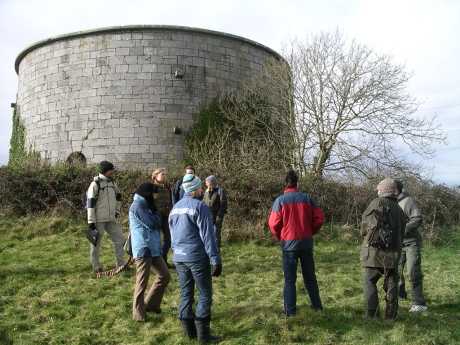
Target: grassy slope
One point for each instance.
(48, 296)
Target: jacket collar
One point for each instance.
(140, 199)
(291, 189)
(402, 196)
(103, 177)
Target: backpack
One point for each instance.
(84, 198)
(381, 235)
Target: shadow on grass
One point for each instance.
(336, 321)
(29, 272)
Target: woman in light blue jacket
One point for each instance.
(144, 225)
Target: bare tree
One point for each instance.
(352, 107)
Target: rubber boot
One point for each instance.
(188, 325)
(204, 332)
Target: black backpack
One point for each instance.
(381, 236)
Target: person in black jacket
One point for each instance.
(178, 191)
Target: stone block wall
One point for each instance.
(117, 93)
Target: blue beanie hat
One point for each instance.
(191, 183)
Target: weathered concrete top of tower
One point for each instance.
(110, 29)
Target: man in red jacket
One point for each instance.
(294, 219)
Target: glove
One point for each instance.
(92, 234)
(216, 270)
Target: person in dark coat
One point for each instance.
(216, 199)
(163, 202)
(178, 191)
(411, 254)
(382, 229)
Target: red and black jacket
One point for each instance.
(294, 219)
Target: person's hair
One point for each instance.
(158, 172)
(399, 185)
(291, 178)
(146, 191)
(189, 166)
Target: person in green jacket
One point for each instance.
(383, 224)
(215, 198)
(411, 251)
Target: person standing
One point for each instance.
(103, 210)
(144, 226)
(163, 202)
(216, 199)
(196, 258)
(293, 220)
(178, 191)
(411, 254)
(382, 228)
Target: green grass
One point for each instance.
(49, 296)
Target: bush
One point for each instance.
(60, 189)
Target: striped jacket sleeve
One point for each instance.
(91, 200)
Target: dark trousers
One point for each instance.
(191, 274)
(411, 256)
(218, 230)
(155, 295)
(166, 237)
(371, 276)
(307, 263)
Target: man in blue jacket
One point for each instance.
(196, 257)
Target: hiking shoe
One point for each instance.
(418, 308)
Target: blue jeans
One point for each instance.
(191, 273)
(290, 259)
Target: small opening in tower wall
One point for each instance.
(76, 158)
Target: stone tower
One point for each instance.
(126, 94)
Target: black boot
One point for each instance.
(188, 325)
(204, 332)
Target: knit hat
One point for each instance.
(105, 166)
(191, 183)
(387, 187)
(211, 179)
(146, 191)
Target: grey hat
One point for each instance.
(211, 179)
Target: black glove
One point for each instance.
(216, 270)
(92, 234)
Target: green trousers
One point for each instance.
(371, 276)
(412, 259)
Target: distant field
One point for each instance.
(49, 296)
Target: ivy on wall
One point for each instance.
(19, 155)
(18, 151)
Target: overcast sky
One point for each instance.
(419, 33)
